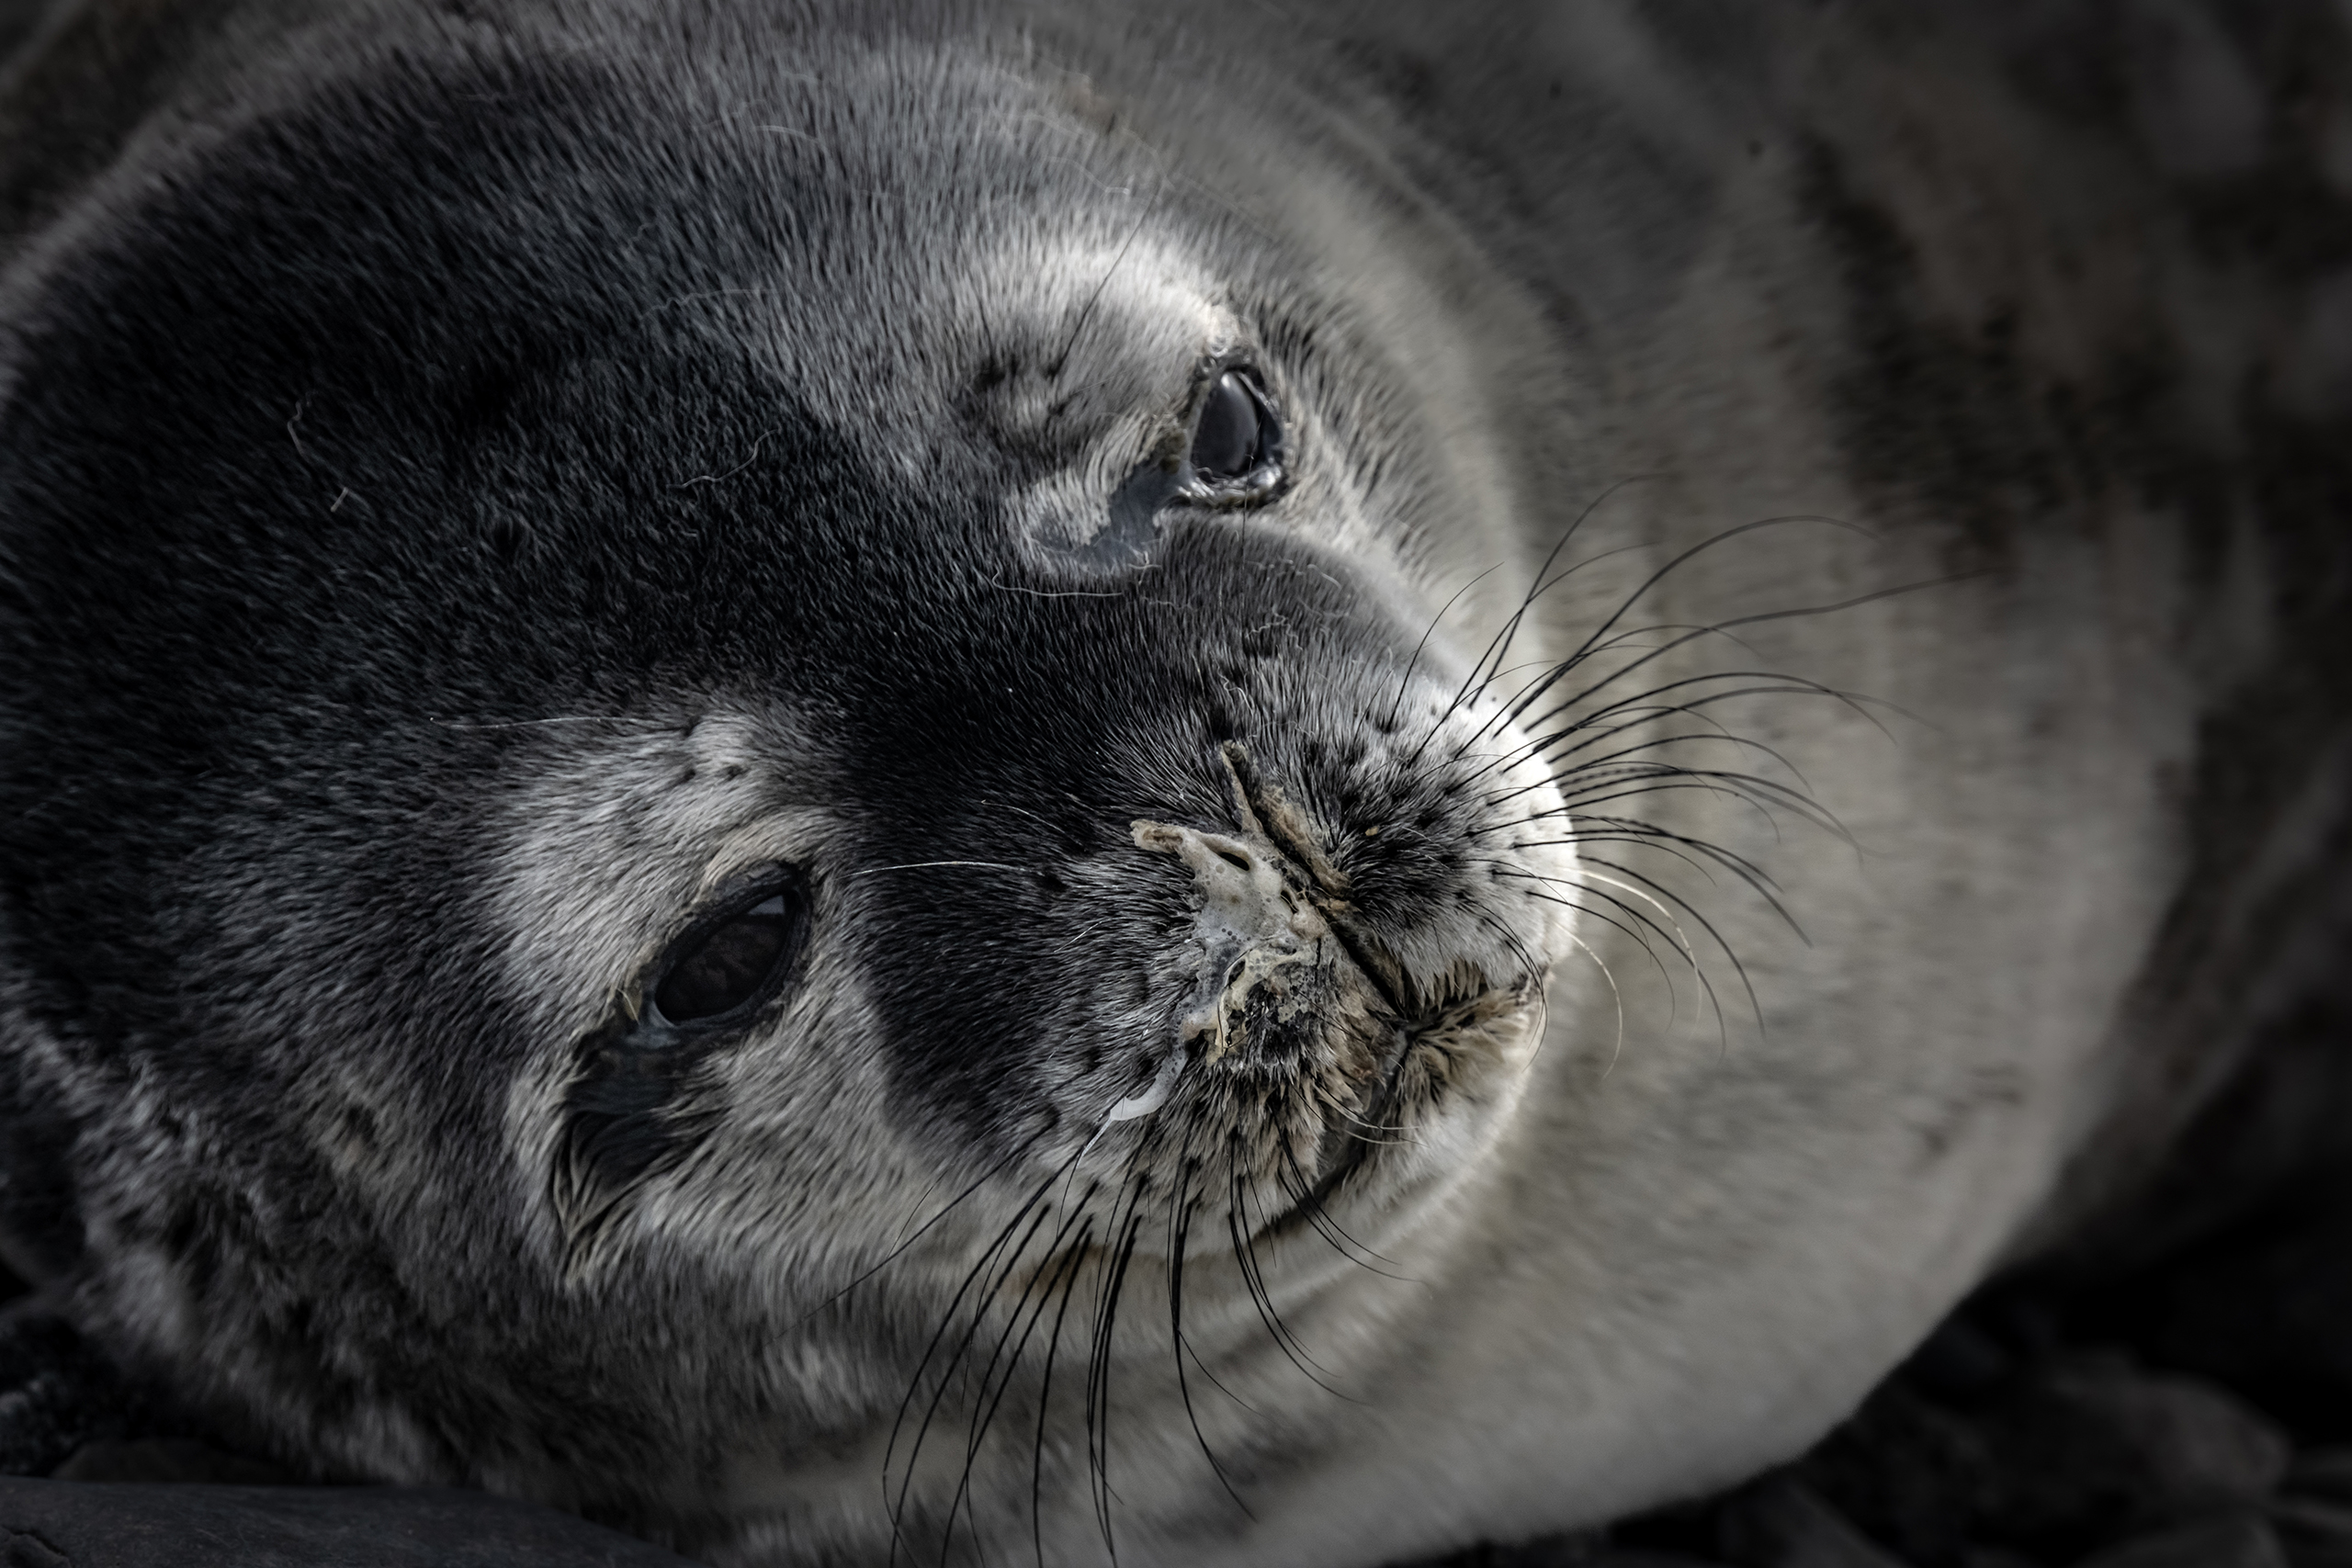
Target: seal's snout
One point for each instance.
(1290, 972)
(1332, 994)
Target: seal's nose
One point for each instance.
(1266, 949)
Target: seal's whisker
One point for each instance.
(947, 1372)
(1124, 1228)
(1580, 840)
(1650, 838)
(1659, 839)
(1722, 627)
(1580, 880)
(1698, 971)
(1245, 1254)
(1611, 791)
(1585, 875)
(1718, 737)
(1584, 787)
(1086, 311)
(1604, 727)
(1787, 683)
(1789, 686)
(1536, 974)
(1634, 831)
(1529, 964)
(1403, 1142)
(1714, 541)
(931, 1349)
(1781, 684)
(1300, 1189)
(1613, 921)
(1180, 1224)
(1498, 647)
(1757, 882)
(1098, 1374)
(1404, 680)
(1590, 882)
(898, 1251)
(1640, 652)
(1604, 723)
(1615, 995)
(984, 1406)
(1510, 629)
(1077, 1252)
(1630, 786)
(1593, 650)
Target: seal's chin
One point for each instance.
(1458, 1052)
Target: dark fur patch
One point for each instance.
(630, 1113)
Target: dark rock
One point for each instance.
(81, 1525)
(2241, 1541)
(2318, 1557)
(2259, 1308)
(167, 1459)
(2058, 1459)
(1783, 1524)
(1577, 1550)
(2321, 1472)
(2095, 1449)
(2315, 1532)
(1959, 1364)
(1580, 1549)
(1910, 1472)
(54, 1393)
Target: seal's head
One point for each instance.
(685, 744)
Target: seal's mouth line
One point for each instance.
(1265, 811)
(1414, 1018)
(1270, 816)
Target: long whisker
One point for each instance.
(1528, 699)
(1086, 311)
(1179, 1228)
(1413, 664)
(984, 1406)
(947, 1372)
(1498, 647)
(1099, 1358)
(1245, 1253)
(1045, 1395)
(896, 1252)
(1300, 1190)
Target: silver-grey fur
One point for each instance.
(480, 486)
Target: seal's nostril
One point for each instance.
(1235, 859)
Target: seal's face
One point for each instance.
(758, 746)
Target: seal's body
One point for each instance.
(1279, 790)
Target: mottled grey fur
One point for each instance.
(484, 486)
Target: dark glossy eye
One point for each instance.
(1234, 438)
(735, 962)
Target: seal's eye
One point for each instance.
(1235, 437)
(733, 964)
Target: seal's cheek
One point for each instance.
(673, 953)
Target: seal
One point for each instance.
(1273, 785)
